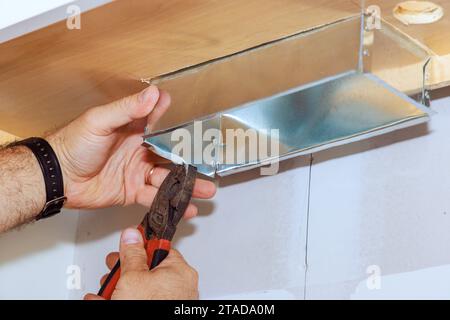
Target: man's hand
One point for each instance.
(173, 279)
(103, 160)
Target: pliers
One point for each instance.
(159, 225)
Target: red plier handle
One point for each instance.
(159, 224)
(157, 250)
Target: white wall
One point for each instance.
(12, 12)
(35, 258)
(384, 202)
(18, 17)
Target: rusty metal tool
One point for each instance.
(159, 225)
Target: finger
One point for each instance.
(161, 107)
(191, 211)
(132, 253)
(147, 194)
(203, 189)
(111, 259)
(106, 119)
(91, 296)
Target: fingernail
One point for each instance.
(147, 94)
(131, 236)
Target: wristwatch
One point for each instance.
(53, 178)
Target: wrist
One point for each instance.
(59, 144)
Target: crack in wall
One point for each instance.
(307, 227)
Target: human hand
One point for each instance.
(173, 279)
(103, 160)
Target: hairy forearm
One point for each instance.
(22, 188)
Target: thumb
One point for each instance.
(133, 256)
(173, 260)
(91, 296)
(106, 119)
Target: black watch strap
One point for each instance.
(54, 184)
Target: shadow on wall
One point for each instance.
(94, 227)
(334, 153)
(38, 237)
(374, 143)
(440, 93)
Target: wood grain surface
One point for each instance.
(434, 37)
(50, 76)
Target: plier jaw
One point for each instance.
(170, 203)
